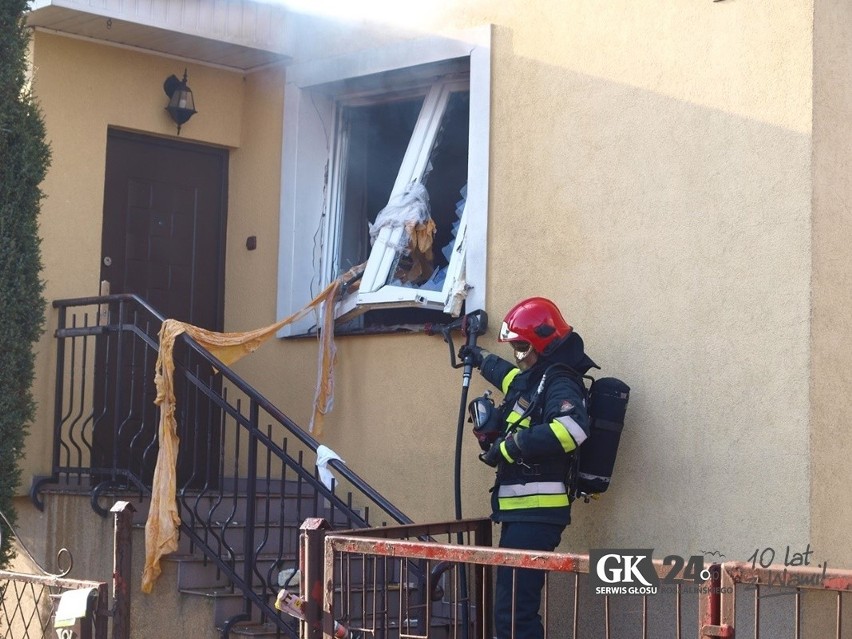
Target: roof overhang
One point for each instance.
(243, 35)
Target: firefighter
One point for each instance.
(533, 450)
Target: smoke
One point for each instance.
(391, 12)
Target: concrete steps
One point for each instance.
(273, 547)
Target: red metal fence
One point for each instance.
(423, 582)
(799, 602)
(420, 583)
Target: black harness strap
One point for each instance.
(535, 469)
(542, 385)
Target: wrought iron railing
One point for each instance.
(246, 473)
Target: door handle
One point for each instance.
(103, 309)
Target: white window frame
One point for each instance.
(374, 291)
(307, 222)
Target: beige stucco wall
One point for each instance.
(254, 196)
(831, 409)
(650, 171)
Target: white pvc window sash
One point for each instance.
(373, 290)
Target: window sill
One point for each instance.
(370, 330)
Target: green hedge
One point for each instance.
(24, 158)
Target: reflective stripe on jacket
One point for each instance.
(533, 494)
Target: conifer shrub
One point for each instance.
(24, 158)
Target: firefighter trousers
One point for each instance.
(517, 617)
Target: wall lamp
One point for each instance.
(181, 104)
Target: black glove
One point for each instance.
(475, 353)
(494, 455)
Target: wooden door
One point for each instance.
(163, 239)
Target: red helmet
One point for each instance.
(535, 320)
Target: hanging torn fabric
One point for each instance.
(161, 528)
(410, 210)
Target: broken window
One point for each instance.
(434, 157)
(386, 134)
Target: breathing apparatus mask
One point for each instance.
(521, 350)
(485, 417)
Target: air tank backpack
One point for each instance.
(595, 461)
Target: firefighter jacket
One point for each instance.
(536, 459)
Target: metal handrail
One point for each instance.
(252, 393)
(132, 319)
